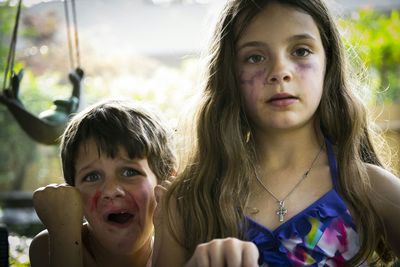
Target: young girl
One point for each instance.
(283, 155)
(113, 155)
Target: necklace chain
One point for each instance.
(281, 212)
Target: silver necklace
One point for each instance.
(282, 211)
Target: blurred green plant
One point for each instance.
(375, 36)
(19, 251)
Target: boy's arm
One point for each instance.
(60, 209)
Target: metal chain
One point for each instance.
(304, 176)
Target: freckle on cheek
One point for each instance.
(94, 201)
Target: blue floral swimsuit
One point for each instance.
(323, 234)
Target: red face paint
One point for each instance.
(94, 201)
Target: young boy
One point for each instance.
(113, 155)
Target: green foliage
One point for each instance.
(19, 250)
(376, 37)
(6, 19)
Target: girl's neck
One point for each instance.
(282, 149)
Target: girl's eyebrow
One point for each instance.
(253, 44)
(296, 37)
(303, 36)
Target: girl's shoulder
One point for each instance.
(385, 187)
(383, 181)
(385, 197)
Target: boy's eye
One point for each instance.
(254, 59)
(302, 52)
(130, 172)
(91, 177)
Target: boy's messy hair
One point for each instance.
(114, 124)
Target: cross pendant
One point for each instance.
(281, 212)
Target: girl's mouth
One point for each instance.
(282, 100)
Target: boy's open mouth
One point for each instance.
(120, 217)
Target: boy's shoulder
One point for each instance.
(39, 249)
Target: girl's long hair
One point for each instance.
(212, 189)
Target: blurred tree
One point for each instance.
(376, 37)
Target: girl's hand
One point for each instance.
(59, 207)
(230, 252)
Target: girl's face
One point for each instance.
(118, 198)
(281, 67)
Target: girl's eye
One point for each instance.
(130, 172)
(302, 52)
(254, 59)
(91, 177)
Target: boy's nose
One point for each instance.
(112, 190)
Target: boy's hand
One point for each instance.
(230, 252)
(59, 207)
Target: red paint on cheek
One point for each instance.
(94, 201)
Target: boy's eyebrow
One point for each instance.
(82, 169)
(258, 44)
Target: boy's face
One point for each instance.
(118, 197)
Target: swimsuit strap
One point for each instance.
(332, 163)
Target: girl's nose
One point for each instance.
(112, 190)
(279, 72)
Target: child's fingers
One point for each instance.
(230, 252)
(250, 255)
(200, 257)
